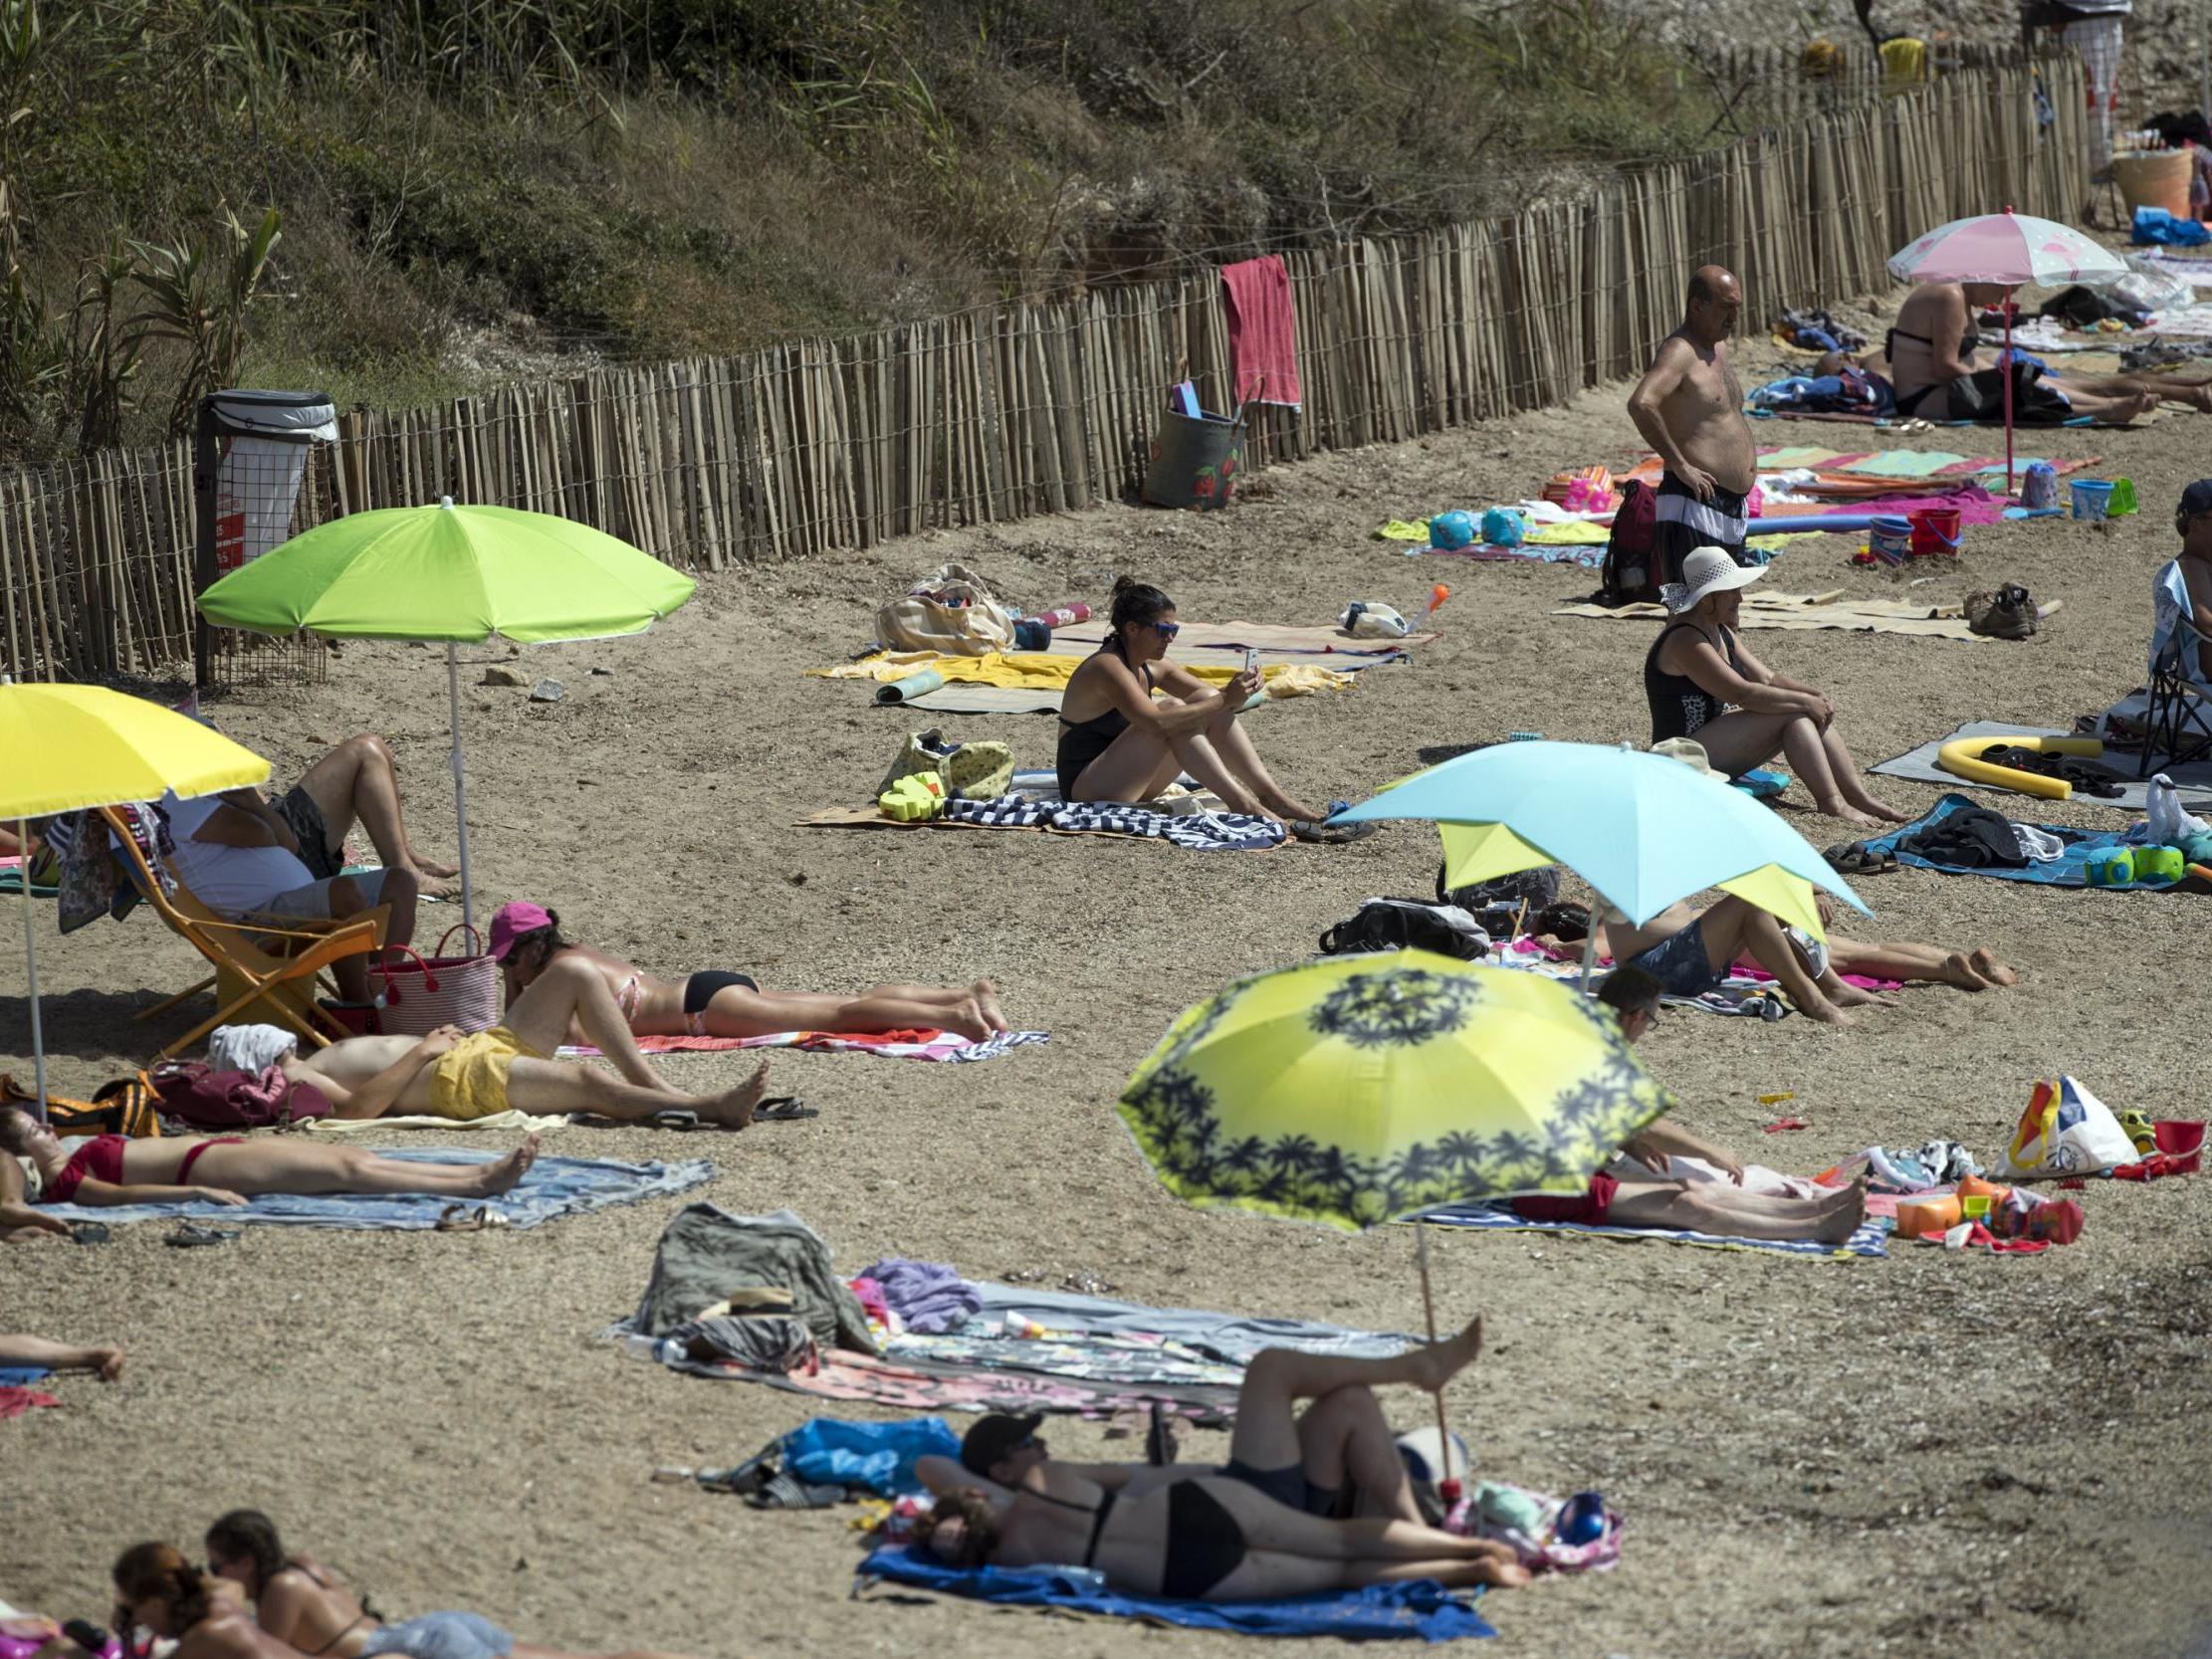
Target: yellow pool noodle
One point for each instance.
(1953, 758)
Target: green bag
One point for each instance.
(980, 771)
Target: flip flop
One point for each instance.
(90, 1232)
(788, 1492)
(1855, 858)
(783, 1109)
(192, 1234)
(676, 1118)
(1330, 835)
(469, 1218)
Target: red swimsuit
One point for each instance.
(100, 1159)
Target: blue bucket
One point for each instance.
(1889, 538)
(2092, 498)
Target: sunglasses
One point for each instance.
(1167, 630)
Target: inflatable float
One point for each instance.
(1954, 759)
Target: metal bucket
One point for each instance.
(1194, 462)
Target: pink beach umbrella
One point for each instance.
(2008, 249)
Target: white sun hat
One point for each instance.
(1706, 571)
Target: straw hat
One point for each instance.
(1706, 571)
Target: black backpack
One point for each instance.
(1408, 925)
(1504, 901)
(1631, 574)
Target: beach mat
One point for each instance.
(1422, 1609)
(1866, 1241)
(868, 817)
(942, 698)
(1270, 638)
(894, 1045)
(554, 1187)
(1813, 611)
(2069, 869)
(2193, 780)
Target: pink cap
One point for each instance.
(513, 921)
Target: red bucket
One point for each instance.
(1934, 530)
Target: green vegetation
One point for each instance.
(399, 200)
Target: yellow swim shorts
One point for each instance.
(469, 1080)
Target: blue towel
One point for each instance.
(2069, 869)
(22, 1376)
(1424, 1608)
(554, 1186)
(878, 1457)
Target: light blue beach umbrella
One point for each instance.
(1644, 830)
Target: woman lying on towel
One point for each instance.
(1227, 1537)
(302, 1609)
(1702, 681)
(175, 1169)
(527, 943)
(1931, 351)
(1120, 743)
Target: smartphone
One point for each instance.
(1251, 658)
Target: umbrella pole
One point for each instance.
(1449, 1488)
(1589, 953)
(31, 955)
(2008, 389)
(460, 780)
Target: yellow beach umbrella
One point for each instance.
(74, 746)
(1358, 1090)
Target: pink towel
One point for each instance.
(1263, 332)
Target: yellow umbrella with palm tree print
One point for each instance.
(1359, 1090)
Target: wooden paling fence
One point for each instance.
(1027, 408)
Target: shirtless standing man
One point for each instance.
(1689, 408)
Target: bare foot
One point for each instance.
(987, 998)
(1439, 1362)
(2144, 403)
(508, 1172)
(733, 1109)
(436, 883)
(966, 1019)
(1827, 1013)
(1505, 1576)
(1962, 974)
(1842, 1219)
(108, 1363)
(1848, 813)
(1990, 969)
(437, 872)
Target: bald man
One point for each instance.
(1690, 410)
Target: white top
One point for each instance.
(228, 879)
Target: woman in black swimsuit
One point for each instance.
(1118, 744)
(1226, 1536)
(1931, 351)
(1702, 683)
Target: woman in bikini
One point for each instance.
(1702, 681)
(1932, 344)
(525, 940)
(176, 1169)
(1228, 1536)
(1118, 743)
(300, 1607)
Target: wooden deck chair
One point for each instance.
(2180, 717)
(266, 969)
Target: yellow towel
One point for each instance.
(1570, 532)
(1033, 671)
(1403, 529)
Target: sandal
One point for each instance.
(1855, 858)
(1326, 834)
(469, 1218)
(750, 1474)
(783, 1109)
(191, 1234)
(676, 1118)
(787, 1492)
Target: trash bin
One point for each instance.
(2155, 178)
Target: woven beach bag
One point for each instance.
(424, 993)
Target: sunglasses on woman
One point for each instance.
(1167, 630)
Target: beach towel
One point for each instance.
(2194, 780)
(2069, 869)
(873, 1457)
(1422, 1609)
(1807, 611)
(15, 1401)
(892, 1045)
(1868, 1240)
(1270, 639)
(554, 1187)
(1263, 331)
(522, 1121)
(1210, 832)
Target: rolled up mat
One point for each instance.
(910, 688)
(1841, 522)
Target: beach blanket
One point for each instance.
(1269, 639)
(2069, 869)
(11, 879)
(1868, 1240)
(554, 1187)
(1036, 1349)
(1747, 992)
(518, 1121)
(1035, 671)
(1812, 611)
(1422, 1609)
(892, 1045)
(22, 1376)
(1197, 831)
(2194, 780)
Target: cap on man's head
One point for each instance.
(989, 1439)
(2195, 501)
(514, 920)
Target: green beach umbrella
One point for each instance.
(457, 575)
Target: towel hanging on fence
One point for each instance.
(1263, 332)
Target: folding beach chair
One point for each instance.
(266, 969)
(2180, 718)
